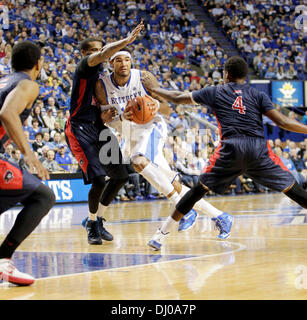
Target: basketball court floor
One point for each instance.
(265, 257)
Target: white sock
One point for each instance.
(157, 178)
(92, 216)
(101, 210)
(202, 205)
(168, 224)
(175, 198)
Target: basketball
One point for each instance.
(140, 106)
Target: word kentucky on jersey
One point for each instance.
(125, 99)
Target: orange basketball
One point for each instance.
(140, 106)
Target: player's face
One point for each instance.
(121, 65)
(94, 47)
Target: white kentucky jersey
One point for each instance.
(119, 96)
(139, 139)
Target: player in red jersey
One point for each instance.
(18, 91)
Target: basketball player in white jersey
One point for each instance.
(143, 144)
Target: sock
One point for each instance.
(167, 225)
(92, 216)
(101, 210)
(175, 198)
(157, 178)
(202, 205)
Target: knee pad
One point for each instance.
(297, 194)
(190, 198)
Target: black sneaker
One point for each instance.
(104, 234)
(93, 234)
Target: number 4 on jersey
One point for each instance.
(238, 105)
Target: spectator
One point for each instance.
(64, 160)
(49, 119)
(50, 164)
(38, 143)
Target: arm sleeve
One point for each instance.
(84, 70)
(205, 96)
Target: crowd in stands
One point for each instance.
(175, 47)
(270, 34)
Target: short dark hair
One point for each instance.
(85, 44)
(236, 67)
(25, 56)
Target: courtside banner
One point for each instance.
(288, 93)
(69, 190)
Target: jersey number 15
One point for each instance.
(238, 105)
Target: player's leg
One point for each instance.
(37, 200)
(272, 173)
(91, 223)
(116, 170)
(83, 145)
(223, 169)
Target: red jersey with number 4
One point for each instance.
(238, 108)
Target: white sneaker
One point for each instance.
(9, 273)
(156, 241)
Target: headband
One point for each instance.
(119, 53)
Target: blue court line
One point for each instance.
(53, 264)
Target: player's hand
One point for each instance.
(127, 115)
(135, 32)
(154, 106)
(108, 115)
(34, 163)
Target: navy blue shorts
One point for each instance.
(250, 156)
(84, 143)
(16, 185)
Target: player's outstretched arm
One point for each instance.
(164, 107)
(16, 102)
(111, 48)
(286, 123)
(151, 84)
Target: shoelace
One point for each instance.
(9, 268)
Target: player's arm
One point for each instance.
(164, 107)
(286, 123)
(16, 102)
(111, 48)
(152, 85)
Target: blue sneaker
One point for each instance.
(223, 222)
(156, 241)
(187, 222)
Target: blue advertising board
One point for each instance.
(288, 93)
(69, 190)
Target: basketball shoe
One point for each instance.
(187, 221)
(156, 241)
(9, 273)
(93, 233)
(104, 234)
(223, 223)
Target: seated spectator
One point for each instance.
(49, 119)
(50, 164)
(8, 151)
(38, 143)
(43, 157)
(34, 130)
(18, 159)
(64, 160)
(55, 144)
(57, 129)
